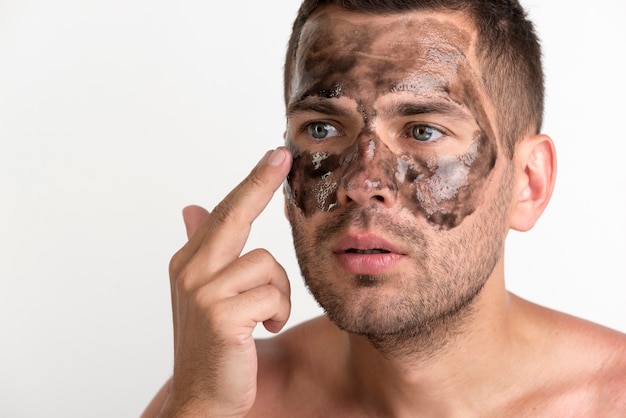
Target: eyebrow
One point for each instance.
(328, 106)
(404, 108)
(317, 104)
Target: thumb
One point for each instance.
(193, 216)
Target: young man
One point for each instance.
(413, 146)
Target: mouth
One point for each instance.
(365, 243)
(370, 251)
(359, 253)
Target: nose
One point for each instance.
(370, 177)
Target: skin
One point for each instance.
(496, 355)
(409, 155)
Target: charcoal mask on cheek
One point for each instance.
(312, 182)
(443, 189)
(363, 170)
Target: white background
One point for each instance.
(116, 114)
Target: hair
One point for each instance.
(508, 52)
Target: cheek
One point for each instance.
(446, 189)
(313, 180)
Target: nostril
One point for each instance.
(364, 191)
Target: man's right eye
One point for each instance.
(322, 130)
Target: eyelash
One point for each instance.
(408, 131)
(306, 129)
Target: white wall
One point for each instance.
(114, 114)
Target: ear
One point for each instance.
(535, 174)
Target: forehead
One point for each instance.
(409, 25)
(343, 50)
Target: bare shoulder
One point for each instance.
(581, 367)
(605, 349)
(297, 368)
(603, 382)
(299, 348)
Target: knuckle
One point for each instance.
(176, 264)
(184, 279)
(261, 256)
(224, 212)
(256, 180)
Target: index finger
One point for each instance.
(231, 220)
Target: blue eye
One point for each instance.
(425, 133)
(322, 130)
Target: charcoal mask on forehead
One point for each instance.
(374, 64)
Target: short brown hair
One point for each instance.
(508, 51)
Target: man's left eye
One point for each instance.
(322, 130)
(425, 133)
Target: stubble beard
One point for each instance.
(438, 299)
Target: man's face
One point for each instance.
(398, 195)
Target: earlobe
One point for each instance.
(535, 174)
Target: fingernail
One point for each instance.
(276, 158)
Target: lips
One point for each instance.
(366, 253)
(372, 251)
(365, 242)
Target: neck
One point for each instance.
(437, 371)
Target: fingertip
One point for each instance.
(287, 152)
(276, 165)
(274, 326)
(193, 216)
(187, 210)
(278, 157)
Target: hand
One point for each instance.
(219, 296)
